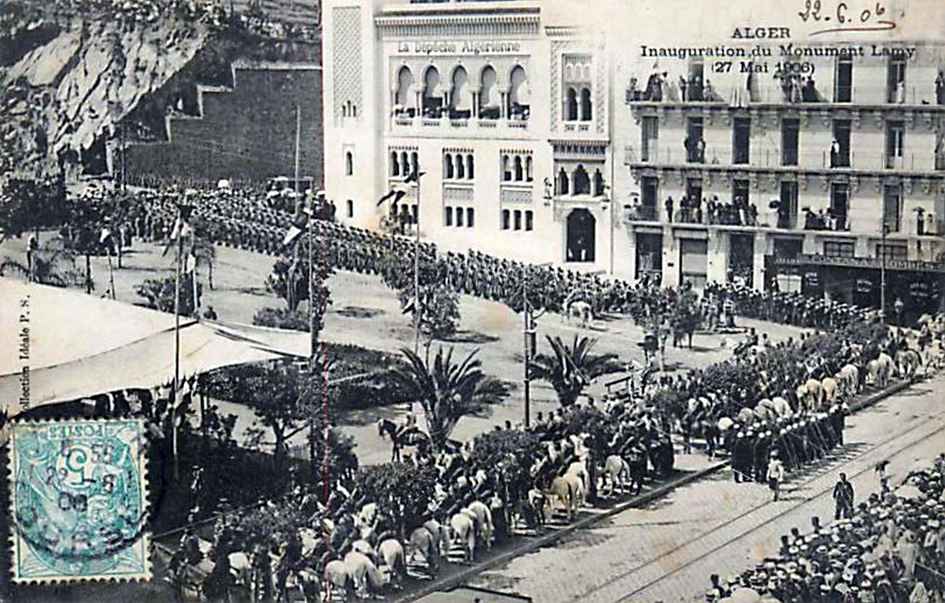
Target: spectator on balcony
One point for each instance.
(683, 85)
(795, 86)
(901, 92)
(773, 212)
(940, 88)
(668, 88)
(835, 153)
(752, 215)
(698, 215)
(633, 89)
(695, 88)
(712, 208)
(809, 93)
(654, 89)
(708, 93)
(669, 209)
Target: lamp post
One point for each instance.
(882, 271)
(529, 339)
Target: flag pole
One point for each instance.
(175, 401)
(416, 272)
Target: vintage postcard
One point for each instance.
(468, 301)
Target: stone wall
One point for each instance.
(243, 133)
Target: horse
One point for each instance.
(908, 362)
(392, 553)
(401, 439)
(337, 574)
(831, 389)
(616, 472)
(362, 570)
(484, 521)
(566, 490)
(463, 530)
(427, 543)
(581, 310)
(880, 369)
(849, 380)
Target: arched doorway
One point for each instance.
(581, 230)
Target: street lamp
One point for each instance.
(529, 338)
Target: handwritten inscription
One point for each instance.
(850, 17)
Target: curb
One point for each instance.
(534, 544)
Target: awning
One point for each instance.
(68, 345)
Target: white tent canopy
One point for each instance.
(80, 345)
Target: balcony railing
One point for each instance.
(774, 158)
(641, 213)
(918, 95)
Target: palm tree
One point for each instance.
(572, 367)
(52, 264)
(447, 390)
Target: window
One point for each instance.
(892, 207)
(405, 97)
(460, 167)
(741, 141)
(892, 251)
(506, 168)
(528, 168)
(582, 183)
(488, 95)
(519, 94)
(840, 203)
(694, 143)
(432, 94)
(470, 165)
(459, 95)
(896, 80)
(350, 207)
(414, 162)
(394, 164)
(586, 105)
(895, 135)
(470, 217)
(562, 182)
(529, 222)
(504, 224)
(839, 249)
(518, 169)
(571, 105)
(598, 184)
(448, 216)
(517, 214)
(349, 164)
(447, 165)
(695, 91)
(843, 82)
(650, 130)
(459, 216)
(404, 163)
(790, 139)
(840, 152)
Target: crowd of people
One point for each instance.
(889, 548)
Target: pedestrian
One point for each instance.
(843, 498)
(775, 474)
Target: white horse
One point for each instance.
(617, 472)
(580, 310)
(484, 520)
(463, 530)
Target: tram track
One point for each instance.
(914, 423)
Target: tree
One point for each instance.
(28, 204)
(572, 367)
(205, 254)
(289, 278)
(447, 390)
(439, 312)
(402, 489)
(159, 293)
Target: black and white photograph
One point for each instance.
(472, 301)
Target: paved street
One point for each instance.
(667, 550)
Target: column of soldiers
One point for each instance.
(796, 440)
(249, 220)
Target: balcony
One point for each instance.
(448, 123)
(923, 97)
(641, 213)
(776, 159)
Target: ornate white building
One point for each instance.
(516, 163)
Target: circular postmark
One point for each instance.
(79, 500)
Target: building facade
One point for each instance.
(812, 168)
(462, 92)
(544, 140)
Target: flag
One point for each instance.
(421, 417)
(181, 230)
(395, 193)
(299, 224)
(413, 176)
(190, 264)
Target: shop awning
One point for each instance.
(66, 345)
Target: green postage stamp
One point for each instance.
(79, 500)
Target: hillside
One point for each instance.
(72, 70)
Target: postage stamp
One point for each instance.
(79, 501)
